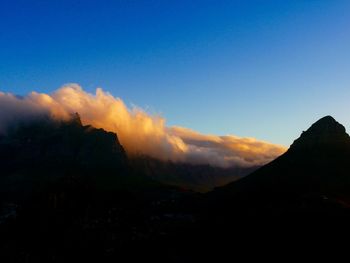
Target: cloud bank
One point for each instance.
(138, 131)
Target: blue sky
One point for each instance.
(264, 69)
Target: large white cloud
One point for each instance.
(138, 131)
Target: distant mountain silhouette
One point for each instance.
(199, 178)
(43, 152)
(313, 173)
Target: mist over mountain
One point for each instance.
(186, 176)
(139, 132)
(46, 150)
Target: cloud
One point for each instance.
(226, 150)
(138, 131)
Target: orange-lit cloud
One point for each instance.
(138, 131)
(226, 150)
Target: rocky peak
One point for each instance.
(326, 131)
(75, 119)
(327, 126)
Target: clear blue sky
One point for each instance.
(265, 69)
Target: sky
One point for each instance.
(262, 69)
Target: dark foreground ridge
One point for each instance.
(69, 193)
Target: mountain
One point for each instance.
(59, 144)
(48, 149)
(45, 152)
(69, 193)
(198, 178)
(297, 204)
(314, 174)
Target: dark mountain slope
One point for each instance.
(314, 172)
(67, 194)
(296, 203)
(199, 178)
(36, 155)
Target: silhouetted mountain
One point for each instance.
(313, 174)
(296, 202)
(199, 178)
(36, 154)
(89, 202)
(67, 194)
(44, 150)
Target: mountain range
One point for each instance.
(70, 193)
(36, 152)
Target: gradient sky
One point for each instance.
(264, 69)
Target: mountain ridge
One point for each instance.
(324, 131)
(314, 167)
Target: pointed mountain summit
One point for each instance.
(316, 164)
(326, 126)
(326, 131)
